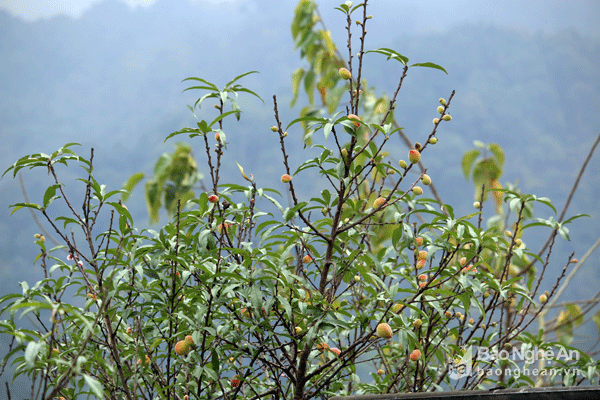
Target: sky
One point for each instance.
(548, 16)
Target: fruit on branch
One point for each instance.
(415, 355)
(448, 314)
(129, 330)
(306, 259)
(213, 198)
(402, 164)
(436, 121)
(380, 372)
(476, 204)
(396, 308)
(145, 362)
(379, 202)
(433, 140)
(182, 348)
(285, 178)
(463, 261)
(418, 323)
(336, 351)
(344, 153)
(447, 117)
(417, 190)
(423, 277)
(189, 340)
(414, 156)
(274, 129)
(345, 74)
(235, 381)
(355, 119)
(421, 264)
(422, 284)
(356, 278)
(322, 347)
(440, 109)
(220, 227)
(422, 255)
(419, 240)
(543, 298)
(384, 330)
(442, 101)
(426, 179)
(298, 330)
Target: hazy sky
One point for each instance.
(548, 16)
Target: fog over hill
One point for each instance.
(111, 79)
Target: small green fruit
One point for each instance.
(402, 164)
(417, 190)
(414, 156)
(476, 204)
(440, 109)
(426, 180)
(396, 308)
(344, 73)
(447, 117)
(356, 278)
(274, 129)
(344, 153)
(543, 299)
(436, 121)
(418, 323)
(433, 140)
(442, 101)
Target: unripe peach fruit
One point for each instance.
(182, 348)
(402, 164)
(274, 129)
(543, 298)
(306, 259)
(418, 323)
(384, 330)
(417, 190)
(436, 121)
(419, 240)
(379, 202)
(415, 355)
(447, 117)
(344, 73)
(426, 180)
(414, 156)
(380, 372)
(355, 120)
(440, 109)
(433, 140)
(442, 101)
(285, 178)
(213, 198)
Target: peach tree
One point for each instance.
(364, 286)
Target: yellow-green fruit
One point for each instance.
(298, 330)
(402, 164)
(182, 348)
(440, 109)
(447, 117)
(417, 190)
(418, 323)
(426, 179)
(442, 101)
(384, 330)
(436, 121)
(379, 202)
(414, 156)
(448, 314)
(433, 140)
(344, 153)
(274, 129)
(189, 340)
(380, 372)
(419, 240)
(396, 308)
(356, 278)
(355, 119)
(344, 73)
(476, 204)
(543, 298)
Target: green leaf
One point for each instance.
(391, 54)
(25, 205)
(31, 353)
(49, 195)
(130, 184)
(467, 162)
(498, 153)
(215, 360)
(296, 79)
(211, 85)
(429, 65)
(239, 77)
(94, 385)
